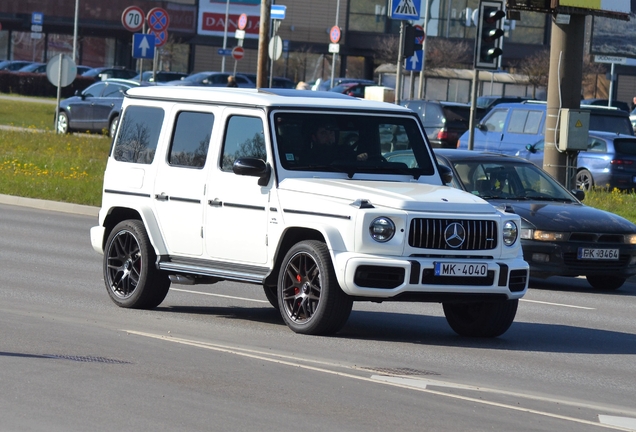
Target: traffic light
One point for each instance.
(412, 35)
(489, 35)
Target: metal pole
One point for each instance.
(263, 38)
(420, 90)
(611, 89)
(398, 71)
(335, 55)
(473, 103)
(227, 14)
(75, 30)
(59, 93)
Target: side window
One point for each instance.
(190, 140)
(95, 90)
(244, 137)
(114, 91)
(523, 121)
(138, 134)
(433, 116)
(495, 122)
(596, 146)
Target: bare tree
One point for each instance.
(537, 68)
(447, 53)
(387, 49)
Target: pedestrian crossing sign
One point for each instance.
(405, 9)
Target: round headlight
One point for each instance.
(382, 229)
(509, 233)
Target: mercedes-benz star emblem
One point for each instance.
(454, 234)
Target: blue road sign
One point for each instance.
(405, 9)
(414, 63)
(37, 18)
(143, 46)
(277, 12)
(225, 51)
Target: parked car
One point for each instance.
(213, 79)
(605, 102)
(102, 73)
(559, 235)
(487, 102)
(609, 161)
(160, 76)
(509, 127)
(277, 82)
(95, 109)
(325, 85)
(82, 69)
(217, 171)
(354, 89)
(13, 65)
(444, 122)
(34, 68)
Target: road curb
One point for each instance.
(50, 205)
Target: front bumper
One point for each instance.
(384, 278)
(561, 259)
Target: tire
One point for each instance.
(112, 127)
(131, 278)
(309, 297)
(584, 180)
(605, 282)
(272, 295)
(62, 123)
(481, 319)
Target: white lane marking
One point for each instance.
(265, 301)
(557, 304)
(406, 383)
(219, 295)
(624, 422)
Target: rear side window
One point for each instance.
(524, 121)
(138, 134)
(191, 138)
(433, 115)
(244, 137)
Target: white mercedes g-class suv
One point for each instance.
(320, 198)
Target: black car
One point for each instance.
(13, 65)
(101, 73)
(560, 236)
(95, 109)
(160, 76)
(444, 122)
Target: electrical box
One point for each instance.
(378, 93)
(575, 125)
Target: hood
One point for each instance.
(411, 196)
(568, 217)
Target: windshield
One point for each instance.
(351, 143)
(509, 180)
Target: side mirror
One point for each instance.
(481, 126)
(446, 173)
(531, 148)
(77, 93)
(579, 194)
(253, 167)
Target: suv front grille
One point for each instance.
(430, 234)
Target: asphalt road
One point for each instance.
(218, 357)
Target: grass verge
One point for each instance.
(67, 168)
(27, 114)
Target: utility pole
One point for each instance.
(263, 39)
(564, 88)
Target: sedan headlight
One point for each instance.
(510, 233)
(540, 235)
(630, 239)
(382, 229)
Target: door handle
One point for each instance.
(215, 202)
(161, 197)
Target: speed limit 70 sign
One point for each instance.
(133, 18)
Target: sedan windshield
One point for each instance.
(351, 143)
(509, 180)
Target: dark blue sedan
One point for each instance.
(609, 162)
(559, 235)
